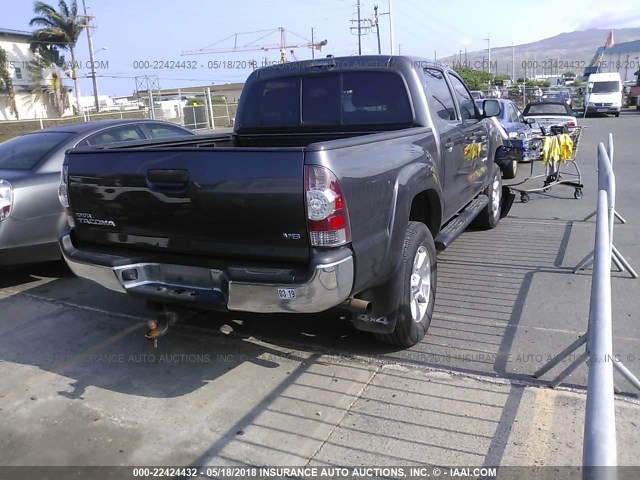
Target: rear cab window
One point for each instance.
(332, 99)
(26, 151)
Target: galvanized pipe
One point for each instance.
(599, 446)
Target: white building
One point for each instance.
(29, 104)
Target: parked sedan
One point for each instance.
(550, 114)
(31, 217)
(516, 137)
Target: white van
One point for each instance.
(604, 93)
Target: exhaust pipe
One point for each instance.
(357, 305)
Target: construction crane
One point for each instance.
(251, 46)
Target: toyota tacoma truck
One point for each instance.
(341, 180)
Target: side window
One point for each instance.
(467, 106)
(440, 97)
(164, 131)
(513, 114)
(519, 114)
(115, 135)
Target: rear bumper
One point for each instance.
(326, 285)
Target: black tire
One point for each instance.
(489, 217)
(617, 114)
(510, 170)
(418, 295)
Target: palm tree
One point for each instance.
(6, 83)
(47, 82)
(60, 30)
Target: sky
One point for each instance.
(133, 36)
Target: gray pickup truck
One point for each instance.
(341, 180)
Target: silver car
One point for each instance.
(31, 217)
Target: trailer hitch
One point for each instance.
(160, 327)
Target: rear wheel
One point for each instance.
(418, 293)
(489, 217)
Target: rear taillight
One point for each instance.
(63, 190)
(6, 199)
(63, 195)
(327, 216)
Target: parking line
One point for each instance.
(541, 424)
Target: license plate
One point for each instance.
(286, 293)
(602, 109)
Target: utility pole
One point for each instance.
(359, 29)
(488, 40)
(391, 27)
(313, 53)
(359, 32)
(513, 62)
(93, 67)
(375, 9)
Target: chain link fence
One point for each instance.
(13, 128)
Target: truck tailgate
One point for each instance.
(215, 202)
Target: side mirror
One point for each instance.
(529, 121)
(491, 108)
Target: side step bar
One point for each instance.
(459, 224)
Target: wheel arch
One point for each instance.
(426, 207)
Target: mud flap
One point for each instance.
(508, 197)
(369, 323)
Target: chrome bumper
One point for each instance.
(329, 285)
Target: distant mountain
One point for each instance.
(566, 51)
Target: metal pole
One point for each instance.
(599, 447)
(151, 109)
(488, 39)
(375, 9)
(93, 67)
(513, 62)
(313, 48)
(208, 99)
(391, 28)
(359, 33)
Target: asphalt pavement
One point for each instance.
(81, 386)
